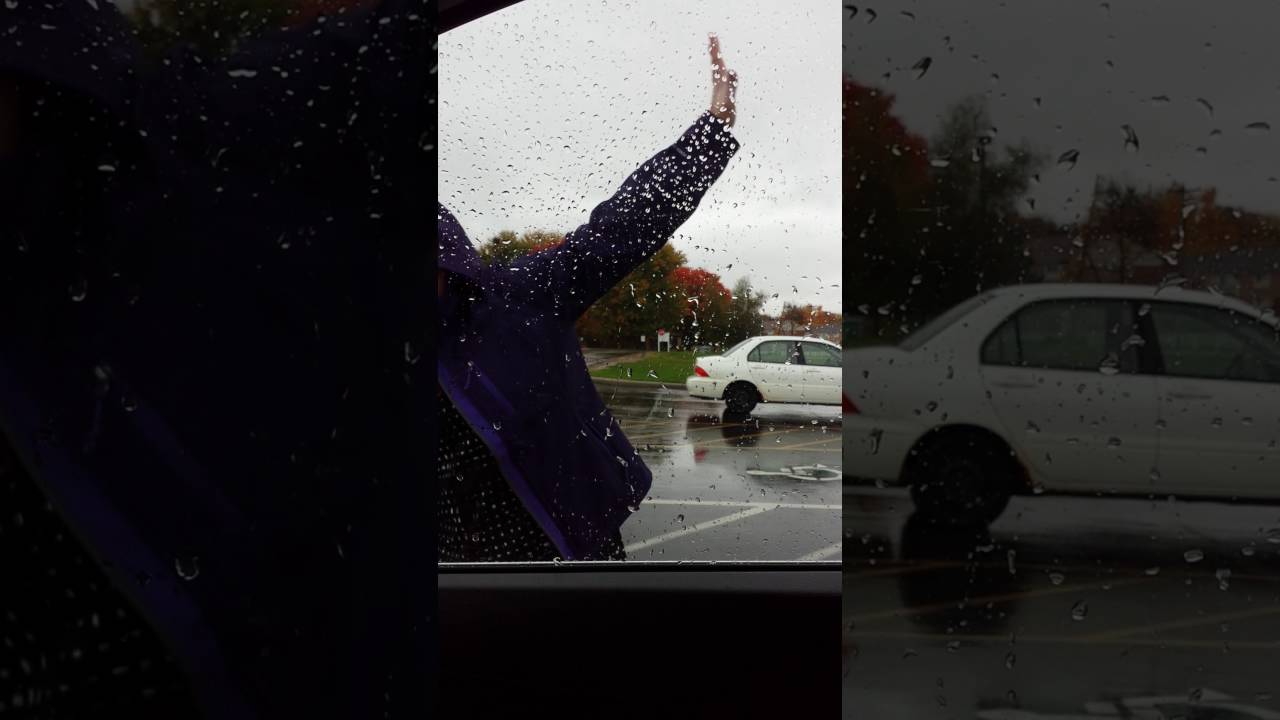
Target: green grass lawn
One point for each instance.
(671, 368)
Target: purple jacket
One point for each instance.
(509, 357)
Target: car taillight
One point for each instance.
(700, 372)
(847, 405)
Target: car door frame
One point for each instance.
(823, 383)
(775, 381)
(1035, 447)
(1255, 459)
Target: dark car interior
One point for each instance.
(639, 640)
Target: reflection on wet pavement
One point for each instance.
(731, 487)
(1063, 604)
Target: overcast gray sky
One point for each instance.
(1223, 53)
(546, 107)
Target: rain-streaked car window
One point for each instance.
(819, 354)
(614, 235)
(1067, 335)
(1060, 483)
(212, 413)
(1210, 343)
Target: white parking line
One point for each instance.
(695, 527)
(742, 504)
(824, 553)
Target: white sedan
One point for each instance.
(1101, 389)
(770, 368)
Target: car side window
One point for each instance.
(1215, 344)
(771, 351)
(1090, 335)
(1002, 347)
(820, 355)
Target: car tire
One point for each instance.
(741, 398)
(961, 478)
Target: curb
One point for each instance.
(616, 360)
(674, 387)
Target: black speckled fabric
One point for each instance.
(479, 517)
(71, 645)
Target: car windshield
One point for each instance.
(1064, 505)
(929, 330)
(643, 198)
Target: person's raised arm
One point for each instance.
(640, 217)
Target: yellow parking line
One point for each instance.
(716, 427)
(1187, 622)
(797, 446)
(905, 569)
(1000, 597)
(1067, 640)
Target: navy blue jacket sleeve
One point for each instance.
(628, 228)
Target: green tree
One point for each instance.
(746, 312)
(507, 245)
(968, 236)
(644, 301)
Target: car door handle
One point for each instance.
(1189, 396)
(1014, 384)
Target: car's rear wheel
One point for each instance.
(741, 398)
(962, 477)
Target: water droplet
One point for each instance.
(1153, 570)
(78, 291)
(1173, 280)
(940, 162)
(1160, 100)
(1204, 104)
(1110, 365)
(1032, 427)
(1258, 128)
(1248, 551)
(1010, 660)
(1193, 555)
(1080, 611)
(243, 73)
(922, 66)
(1056, 578)
(1130, 138)
(187, 568)
(1069, 158)
(653, 375)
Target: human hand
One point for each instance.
(724, 85)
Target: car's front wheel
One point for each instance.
(962, 477)
(741, 398)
